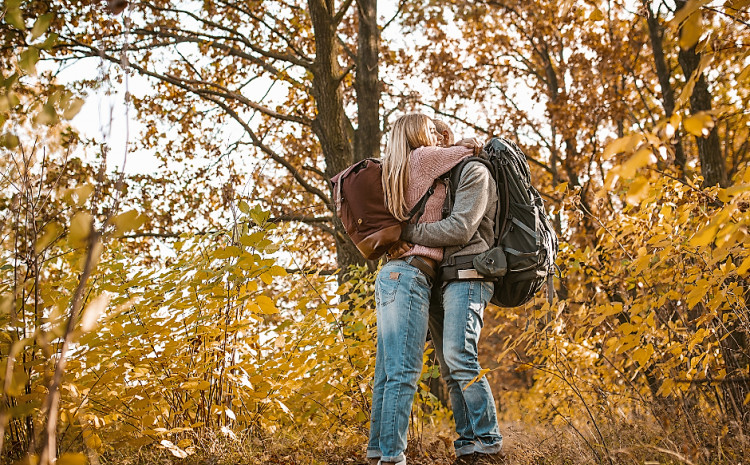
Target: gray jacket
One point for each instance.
(469, 228)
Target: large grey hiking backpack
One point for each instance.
(525, 248)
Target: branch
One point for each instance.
(273, 155)
(401, 4)
(342, 11)
(183, 83)
(233, 51)
(211, 96)
(305, 62)
(301, 218)
(278, 33)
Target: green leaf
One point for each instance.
(14, 17)
(47, 115)
(244, 207)
(72, 108)
(9, 140)
(49, 41)
(41, 25)
(28, 59)
(9, 81)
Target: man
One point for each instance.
(457, 310)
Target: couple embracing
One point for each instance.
(416, 289)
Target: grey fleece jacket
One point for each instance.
(469, 228)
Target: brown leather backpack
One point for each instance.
(360, 203)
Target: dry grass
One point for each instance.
(524, 444)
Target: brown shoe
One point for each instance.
(373, 461)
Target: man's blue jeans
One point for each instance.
(455, 326)
(402, 296)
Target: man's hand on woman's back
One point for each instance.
(472, 143)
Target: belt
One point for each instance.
(424, 264)
(462, 268)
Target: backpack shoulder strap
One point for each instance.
(419, 208)
(455, 172)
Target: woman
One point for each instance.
(411, 164)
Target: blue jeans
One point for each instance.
(455, 326)
(402, 296)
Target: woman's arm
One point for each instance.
(430, 162)
(468, 210)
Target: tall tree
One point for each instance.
(712, 162)
(282, 76)
(656, 36)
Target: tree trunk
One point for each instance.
(331, 126)
(367, 136)
(713, 167)
(656, 33)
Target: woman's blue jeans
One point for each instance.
(402, 296)
(455, 327)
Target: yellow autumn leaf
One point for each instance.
(184, 442)
(690, 7)
(266, 305)
(72, 108)
(736, 4)
(643, 354)
(640, 159)
(596, 15)
(638, 191)
(697, 338)
(623, 144)
(80, 228)
(91, 439)
(705, 236)
(698, 292)
(51, 232)
(699, 124)
(176, 451)
(691, 31)
(72, 458)
(128, 221)
(93, 310)
(481, 375)
(744, 267)
(726, 194)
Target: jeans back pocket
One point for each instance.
(386, 286)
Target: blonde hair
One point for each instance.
(408, 133)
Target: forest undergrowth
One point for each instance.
(223, 356)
